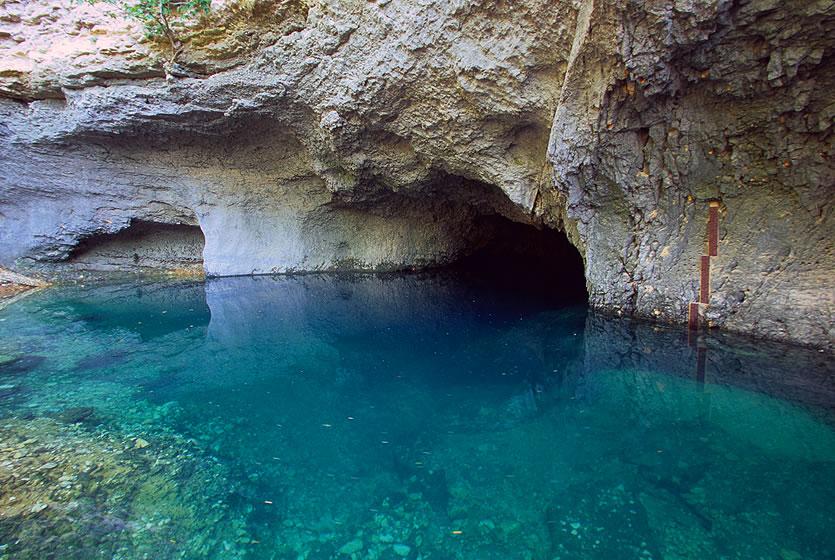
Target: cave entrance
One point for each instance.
(143, 245)
(526, 262)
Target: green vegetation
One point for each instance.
(162, 18)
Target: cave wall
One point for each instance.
(376, 135)
(699, 102)
(142, 246)
(258, 204)
(370, 139)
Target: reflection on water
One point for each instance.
(417, 416)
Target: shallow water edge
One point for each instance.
(399, 416)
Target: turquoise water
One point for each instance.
(420, 416)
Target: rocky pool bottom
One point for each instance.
(421, 416)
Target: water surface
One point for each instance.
(420, 416)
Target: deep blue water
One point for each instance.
(419, 416)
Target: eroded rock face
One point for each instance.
(375, 135)
(370, 139)
(695, 102)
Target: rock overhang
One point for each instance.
(362, 101)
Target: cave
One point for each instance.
(143, 245)
(402, 280)
(465, 227)
(525, 261)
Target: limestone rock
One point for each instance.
(14, 286)
(693, 104)
(351, 547)
(346, 134)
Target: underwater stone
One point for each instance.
(9, 391)
(58, 489)
(75, 415)
(7, 359)
(103, 360)
(351, 547)
(21, 364)
(402, 549)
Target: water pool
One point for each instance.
(418, 416)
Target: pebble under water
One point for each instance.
(415, 416)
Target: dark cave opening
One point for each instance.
(142, 245)
(526, 262)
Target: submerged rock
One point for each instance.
(80, 486)
(6, 359)
(106, 359)
(351, 547)
(620, 528)
(21, 364)
(8, 392)
(75, 415)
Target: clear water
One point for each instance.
(406, 416)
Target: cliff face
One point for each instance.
(378, 135)
(699, 101)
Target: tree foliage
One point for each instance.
(162, 18)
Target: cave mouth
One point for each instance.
(525, 262)
(472, 230)
(143, 245)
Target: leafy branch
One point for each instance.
(162, 18)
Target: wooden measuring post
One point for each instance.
(704, 280)
(711, 250)
(713, 228)
(693, 316)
